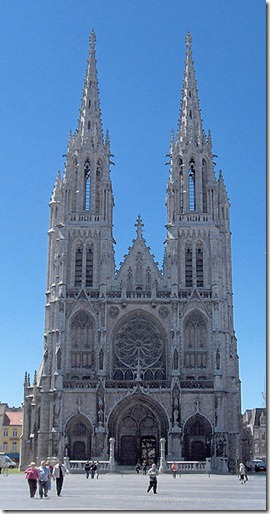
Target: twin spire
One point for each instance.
(190, 122)
(90, 125)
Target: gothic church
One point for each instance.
(137, 355)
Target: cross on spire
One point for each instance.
(139, 224)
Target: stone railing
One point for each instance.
(191, 466)
(128, 384)
(194, 217)
(80, 384)
(77, 466)
(196, 384)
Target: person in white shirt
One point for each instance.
(59, 472)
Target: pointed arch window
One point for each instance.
(81, 341)
(199, 264)
(89, 266)
(74, 186)
(78, 265)
(181, 185)
(98, 177)
(195, 342)
(191, 181)
(204, 179)
(188, 266)
(87, 185)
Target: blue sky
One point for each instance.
(140, 53)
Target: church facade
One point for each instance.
(137, 354)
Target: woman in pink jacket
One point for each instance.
(32, 475)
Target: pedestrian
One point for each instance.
(174, 469)
(93, 469)
(43, 480)
(87, 468)
(242, 473)
(32, 475)
(144, 467)
(50, 466)
(138, 468)
(153, 473)
(59, 472)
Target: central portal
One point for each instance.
(132, 452)
(137, 426)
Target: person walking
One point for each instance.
(138, 468)
(174, 469)
(87, 468)
(242, 473)
(59, 472)
(43, 480)
(93, 469)
(50, 466)
(144, 467)
(32, 475)
(153, 473)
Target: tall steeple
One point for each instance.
(90, 125)
(190, 122)
(192, 176)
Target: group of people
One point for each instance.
(138, 467)
(91, 468)
(40, 477)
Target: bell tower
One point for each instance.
(82, 201)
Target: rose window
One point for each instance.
(139, 350)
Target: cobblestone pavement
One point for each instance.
(128, 492)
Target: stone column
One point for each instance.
(162, 464)
(112, 461)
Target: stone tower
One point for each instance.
(139, 354)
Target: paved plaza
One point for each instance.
(128, 492)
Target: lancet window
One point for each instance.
(89, 266)
(195, 342)
(78, 265)
(87, 185)
(188, 265)
(181, 185)
(97, 196)
(191, 176)
(81, 334)
(199, 264)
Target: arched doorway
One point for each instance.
(137, 425)
(78, 438)
(197, 438)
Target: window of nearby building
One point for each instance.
(5, 432)
(15, 432)
(5, 447)
(14, 447)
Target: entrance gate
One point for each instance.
(197, 438)
(137, 428)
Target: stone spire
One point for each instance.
(190, 122)
(90, 125)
